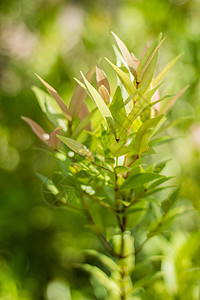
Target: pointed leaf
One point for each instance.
(129, 85)
(107, 261)
(79, 95)
(76, 147)
(102, 79)
(53, 140)
(139, 179)
(118, 111)
(167, 107)
(141, 140)
(50, 107)
(39, 131)
(103, 92)
(151, 51)
(162, 74)
(126, 54)
(83, 124)
(122, 169)
(147, 75)
(103, 108)
(58, 99)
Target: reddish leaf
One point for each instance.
(58, 99)
(54, 141)
(39, 131)
(79, 95)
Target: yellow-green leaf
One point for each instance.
(162, 74)
(126, 54)
(79, 95)
(76, 147)
(58, 99)
(129, 85)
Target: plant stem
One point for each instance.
(122, 226)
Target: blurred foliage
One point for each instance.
(57, 39)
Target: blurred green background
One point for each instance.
(57, 39)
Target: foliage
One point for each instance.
(56, 39)
(108, 168)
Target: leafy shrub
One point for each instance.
(104, 151)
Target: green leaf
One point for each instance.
(162, 224)
(174, 123)
(142, 136)
(118, 111)
(76, 147)
(159, 182)
(148, 74)
(79, 95)
(107, 261)
(118, 149)
(171, 102)
(50, 107)
(156, 190)
(135, 112)
(49, 184)
(160, 166)
(160, 140)
(146, 59)
(102, 277)
(58, 99)
(83, 124)
(170, 201)
(162, 74)
(129, 85)
(103, 108)
(139, 179)
(122, 169)
(126, 54)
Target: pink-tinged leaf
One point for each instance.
(58, 99)
(156, 97)
(39, 131)
(103, 92)
(171, 102)
(102, 79)
(148, 56)
(135, 60)
(79, 95)
(54, 141)
(83, 113)
(126, 54)
(145, 50)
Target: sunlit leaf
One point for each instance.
(50, 107)
(139, 179)
(167, 107)
(162, 74)
(83, 124)
(53, 139)
(127, 56)
(79, 95)
(39, 131)
(103, 108)
(148, 56)
(76, 147)
(121, 169)
(142, 136)
(103, 85)
(118, 111)
(129, 85)
(58, 99)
